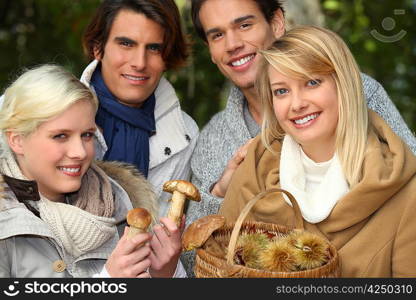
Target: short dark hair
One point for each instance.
(163, 12)
(267, 7)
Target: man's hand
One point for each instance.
(166, 247)
(220, 188)
(130, 258)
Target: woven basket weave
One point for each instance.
(210, 266)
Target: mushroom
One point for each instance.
(138, 219)
(181, 190)
(199, 231)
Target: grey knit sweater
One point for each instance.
(227, 131)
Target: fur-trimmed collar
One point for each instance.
(138, 189)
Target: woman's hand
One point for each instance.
(220, 188)
(130, 258)
(166, 247)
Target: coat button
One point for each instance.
(59, 266)
(30, 189)
(167, 151)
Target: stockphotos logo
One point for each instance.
(71, 289)
(11, 290)
(389, 24)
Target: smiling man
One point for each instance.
(233, 30)
(131, 44)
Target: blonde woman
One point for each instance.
(353, 177)
(61, 215)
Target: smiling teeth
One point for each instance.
(242, 61)
(70, 170)
(306, 119)
(134, 77)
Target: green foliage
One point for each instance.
(199, 85)
(391, 63)
(42, 31)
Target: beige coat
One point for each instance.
(373, 226)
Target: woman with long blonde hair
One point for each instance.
(61, 214)
(352, 176)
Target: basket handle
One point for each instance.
(236, 230)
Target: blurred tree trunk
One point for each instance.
(190, 89)
(301, 12)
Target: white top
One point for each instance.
(317, 187)
(314, 172)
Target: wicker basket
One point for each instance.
(210, 266)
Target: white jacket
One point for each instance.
(172, 145)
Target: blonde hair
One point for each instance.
(303, 53)
(40, 94)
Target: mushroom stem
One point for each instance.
(176, 207)
(133, 231)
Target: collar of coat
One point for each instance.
(234, 115)
(23, 189)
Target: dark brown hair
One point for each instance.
(267, 7)
(163, 12)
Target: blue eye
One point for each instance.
(280, 92)
(88, 135)
(313, 82)
(59, 136)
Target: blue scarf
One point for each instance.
(126, 129)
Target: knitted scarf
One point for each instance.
(126, 129)
(84, 224)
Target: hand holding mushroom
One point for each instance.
(130, 258)
(181, 191)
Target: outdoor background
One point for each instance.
(380, 33)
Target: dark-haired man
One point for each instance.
(131, 43)
(233, 30)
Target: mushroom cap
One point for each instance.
(199, 231)
(184, 187)
(139, 218)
